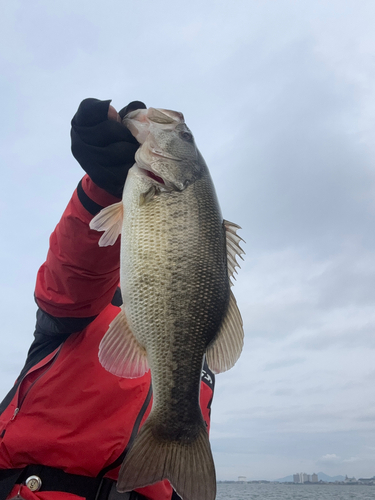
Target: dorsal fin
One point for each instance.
(233, 248)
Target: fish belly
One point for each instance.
(176, 290)
(173, 271)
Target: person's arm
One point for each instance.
(79, 278)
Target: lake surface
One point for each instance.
(233, 491)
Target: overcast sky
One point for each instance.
(280, 96)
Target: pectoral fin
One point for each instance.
(233, 248)
(226, 348)
(120, 353)
(109, 220)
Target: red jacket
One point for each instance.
(65, 410)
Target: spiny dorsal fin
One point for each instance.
(109, 220)
(225, 350)
(233, 248)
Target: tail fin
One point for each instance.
(189, 467)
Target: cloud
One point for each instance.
(315, 304)
(281, 100)
(290, 452)
(351, 460)
(288, 362)
(329, 458)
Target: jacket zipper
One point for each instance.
(20, 403)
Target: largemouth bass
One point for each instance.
(178, 256)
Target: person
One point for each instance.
(67, 424)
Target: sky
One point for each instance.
(280, 96)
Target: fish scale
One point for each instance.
(177, 258)
(188, 272)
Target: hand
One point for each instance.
(103, 146)
(113, 115)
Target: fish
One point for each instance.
(177, 261)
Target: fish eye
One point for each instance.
(186, 136)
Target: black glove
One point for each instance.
(104, 148)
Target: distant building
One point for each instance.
(349, 480)
(302, 478)
(298, 478)
(367, 480)
(314, 478)
(241, 479)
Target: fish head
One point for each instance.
(168, 152)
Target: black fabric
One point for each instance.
(117, 298)
(136, 496)
(8, 479)
(58, 480)
(90, 205)
(104, 148)
(175, 496)
(132, 106)
(208, 377)
(51, 326)
(113, 494)
(92, 488)
(52, 480)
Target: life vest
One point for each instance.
(65, 410)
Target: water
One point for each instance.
(233, 491)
